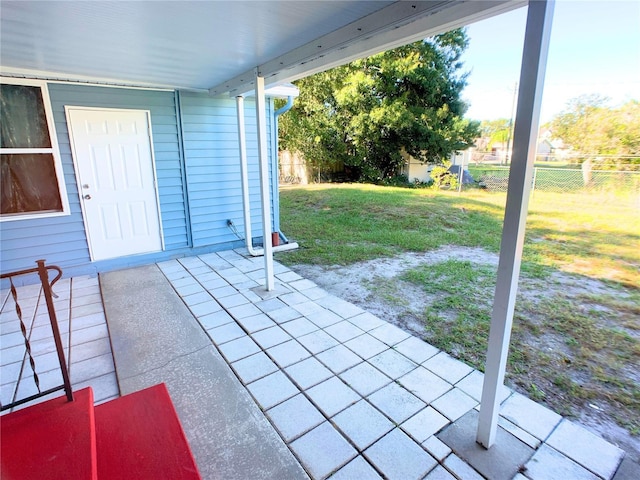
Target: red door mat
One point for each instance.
(139, 436)
(53, 440)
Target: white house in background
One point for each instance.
(418, 171)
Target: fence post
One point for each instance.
(533, 182)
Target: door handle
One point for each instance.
(87, 197)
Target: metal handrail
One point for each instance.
(43, 272)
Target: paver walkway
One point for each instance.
(355, 397)
(352, 396)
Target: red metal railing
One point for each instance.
(43, 272)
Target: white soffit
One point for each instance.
(201, 45)
(395, 25)
(181, 44)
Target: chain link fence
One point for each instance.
(601, 183)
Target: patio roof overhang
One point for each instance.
(232, 47)
(214, 45)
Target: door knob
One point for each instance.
(87, 197)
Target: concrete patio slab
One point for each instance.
(228, 433)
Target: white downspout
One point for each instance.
(244, 176)
(263, 160)
(244, 181)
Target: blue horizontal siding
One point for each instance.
(211, 166)
(62, 240)
(212, 159)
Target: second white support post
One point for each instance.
(534, 60)
(265, 188)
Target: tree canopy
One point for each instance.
(590, 127)
(497, 131)
(366, 113)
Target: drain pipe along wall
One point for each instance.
(244, 182)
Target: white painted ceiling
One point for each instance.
(212, 45)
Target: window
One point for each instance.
(32, 183)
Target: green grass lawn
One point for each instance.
(567, 349)
(339, 224)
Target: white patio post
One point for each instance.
(261, 120)
(534, 59)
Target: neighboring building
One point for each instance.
(418, 171)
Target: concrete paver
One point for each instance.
(366, 346)
(416, 350)
(436, 448)
(332, 396)
(530, 416)
(589, 450)
(358, 468)
(425, 385)
(396, 402)
(271, 337)
(288, 353)
(549, 463)
(365, 379)
(392, 364)
(339, 358)
(454, 404)
(254, 367)
(317, 341)
(323, 450)
(272, 390)
(389, 334)
(424, 424)
(399, 457)
(447, 367)
(324, 360)
(363, 424)
(239, 348)
(308, 373)
(343, 331)
(295, 417)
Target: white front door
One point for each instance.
(116, 181)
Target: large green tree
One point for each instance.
(366, 113)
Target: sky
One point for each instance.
(594, 49)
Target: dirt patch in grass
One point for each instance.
(575, 342)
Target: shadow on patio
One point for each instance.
(296, 382)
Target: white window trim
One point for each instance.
(54, 150)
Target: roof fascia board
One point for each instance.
(398, 24)
(57, 77)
